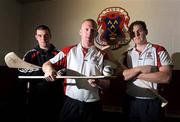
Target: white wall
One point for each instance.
(64, 17)
(9, 27)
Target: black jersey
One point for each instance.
(44, 98)
(38, 56)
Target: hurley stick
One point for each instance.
(67, 77)
(13, 61)
(162, 99)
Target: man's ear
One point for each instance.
(35, 37)
(146, 32)
(80, 32)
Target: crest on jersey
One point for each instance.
(113, 28)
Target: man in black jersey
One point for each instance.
(43, 99)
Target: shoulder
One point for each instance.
(68, 48)
(128, 51)
(159, 48)
(30, 52)
(52, 47)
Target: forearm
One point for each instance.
(131, 73)
(48, 68)
(49, 71)
(156, 77)
(161, 75)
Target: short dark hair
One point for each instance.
(143, 25)
(43, 27)
(91, 20)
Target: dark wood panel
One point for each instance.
(8, 80)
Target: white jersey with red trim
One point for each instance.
(154, 55)
(89, 64)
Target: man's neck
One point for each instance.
(46, 48)
(141, 47)
(85, 46)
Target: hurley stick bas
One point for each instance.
(164, 102)
(13, 61)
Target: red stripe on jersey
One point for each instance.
(35, 54)
(67, 49)
(158, 49)
(63, 62)
(55, 53)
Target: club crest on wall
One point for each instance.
(112, 28)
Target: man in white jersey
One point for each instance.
(148, 65)
(83, 100)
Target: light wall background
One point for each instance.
(65, 16)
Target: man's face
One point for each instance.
(139, 34)
(43, 37)
(88, 32)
